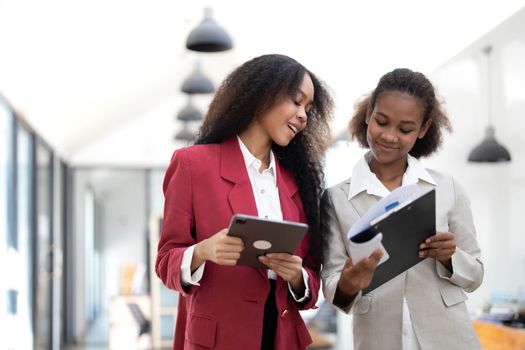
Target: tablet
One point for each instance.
(261, 236)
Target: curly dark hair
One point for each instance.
(251, 90)
(415, 84)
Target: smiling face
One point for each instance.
(394, 125)
(289, 115)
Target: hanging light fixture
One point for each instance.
(489, 150)
(208, 36)
(185, 134)
(197, 82)
(189, 113)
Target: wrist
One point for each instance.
(199, 252)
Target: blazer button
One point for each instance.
(283, 314)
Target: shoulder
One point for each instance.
(338, 190)
(444, 180)
(200, 153)
(448, 186)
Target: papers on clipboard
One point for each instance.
(397, 224)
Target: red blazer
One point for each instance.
(203, 187)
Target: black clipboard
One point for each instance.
(261, 236)
(404, 229)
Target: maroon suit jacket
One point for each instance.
(203, 187)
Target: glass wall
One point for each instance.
(5, 135)
(24, 173)
(44, 247)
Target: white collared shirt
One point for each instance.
(266, 194)
(363, 179)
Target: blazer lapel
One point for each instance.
(233, 169)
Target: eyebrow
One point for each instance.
(402, 122)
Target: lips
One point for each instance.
(385, 147)
(292, 127)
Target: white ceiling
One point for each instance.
(99, 80)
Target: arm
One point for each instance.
(178, 233)
(457, 252)
(335, 259)
(301, 276)
(342, 280)
(178, 222)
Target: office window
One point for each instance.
(23, 267)
(7, 304)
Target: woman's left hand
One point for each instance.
(441, 246)
(287, 266)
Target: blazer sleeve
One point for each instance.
(335, 256)
(178, 222)
(466, 264)
(312, 269)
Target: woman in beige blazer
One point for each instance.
(424, 307)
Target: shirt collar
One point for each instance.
(251, 162)
(363, 179)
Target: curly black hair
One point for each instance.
(415, 84)
(251, 90)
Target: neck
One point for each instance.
(258, 146)
(391, 174)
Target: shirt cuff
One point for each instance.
(186, 276)
(306, 289)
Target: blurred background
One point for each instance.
(96, 95)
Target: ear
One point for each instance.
(424, 129)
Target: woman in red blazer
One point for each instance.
(259, 153)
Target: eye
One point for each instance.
(404, 131)
(381, 122)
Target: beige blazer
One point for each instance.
(435, 297)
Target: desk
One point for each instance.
(498, 337)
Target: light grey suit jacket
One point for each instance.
(435, 297)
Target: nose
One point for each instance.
(389, 136)
(302, 115)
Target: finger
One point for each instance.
(376, 256)
(440, 236)
(284, 265)
(438, 245)
(284, 257)
(280, 262)
(434, 253)
(228, 256)
(230, 248)
(233, 240)
(228, 262)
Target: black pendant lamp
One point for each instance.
(208, 36)
(489, 150)
(189, 113)
(197, 83)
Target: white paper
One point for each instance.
(397, 199)
(359, 251)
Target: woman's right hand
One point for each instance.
(355, 278)
(219, 248)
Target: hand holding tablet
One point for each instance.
(262, 236)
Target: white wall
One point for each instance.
(496, 190)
